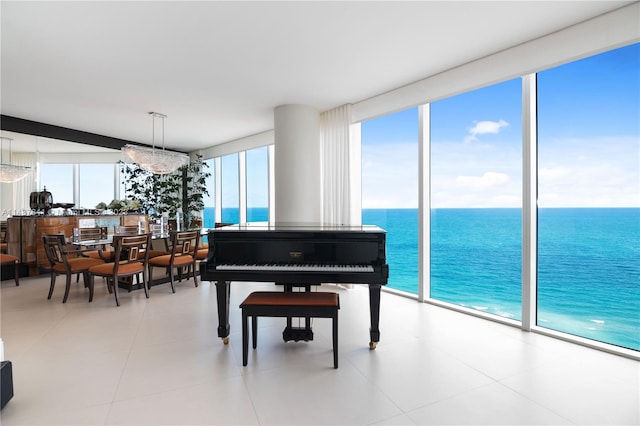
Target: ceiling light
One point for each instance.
(8, 172)
(157, 161)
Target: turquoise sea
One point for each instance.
(588, 264)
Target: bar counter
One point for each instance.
(24, 233)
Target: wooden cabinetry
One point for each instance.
(24, 234)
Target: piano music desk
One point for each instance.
(286, 304)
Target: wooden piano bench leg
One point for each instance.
(278, 304)
(245, 335)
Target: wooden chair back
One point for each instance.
(54, 248)
(126, 230)
(130, 259)
(130, 249)
(86, 234)
(185, 243)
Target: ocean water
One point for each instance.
(588, 264)
(231, 215)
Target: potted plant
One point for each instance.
(195, 177)
(143, 188)
(158, 194)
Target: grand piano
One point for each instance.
(296, 255)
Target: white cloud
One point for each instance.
(582, 173)
(487, 180)
(484, 127)
(390, 176)
(550, 174)
(600, 172)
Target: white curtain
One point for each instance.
(23, 188)
(340, 165)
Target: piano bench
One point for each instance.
(285, 304)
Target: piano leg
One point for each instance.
(374, 309)
(222, 293)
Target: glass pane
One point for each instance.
(258, 185)
(58, 180)
(96, 185)
(390, 191)
(230, 189)
(209, 214)
(476, 196)
(589, 198)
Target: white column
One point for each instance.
(297, 164)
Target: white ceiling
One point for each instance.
(217, 69)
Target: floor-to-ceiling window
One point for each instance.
(257, 171)
(390, 191)
(230, 202)
(239, 187)
(476, 199)
(96, 184)
(58, 179)
(589, 198)
(209, 213)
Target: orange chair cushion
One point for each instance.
(124, 268)
(78, 264)
(153, 253)
(166, 260)
(7, 258)
(202, 253)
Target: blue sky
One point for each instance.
(589, 142)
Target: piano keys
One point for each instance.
(296, 254)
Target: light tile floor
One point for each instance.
(158, 361)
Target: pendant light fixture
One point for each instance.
(10, 173)
(156, 161)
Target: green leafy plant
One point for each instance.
(142, 187)
(118, 206)
(157, 194)
(195, 184)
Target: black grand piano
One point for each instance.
(296, 254)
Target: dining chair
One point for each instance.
(130, 260)
(66, 261)
(183, 256)
(7, 259)
(133, 230)
(126, 230)
(156, 228)
(203, 251)
(4, 245)
(94, 234)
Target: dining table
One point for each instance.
(107, 240)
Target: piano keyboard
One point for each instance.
(297, 267)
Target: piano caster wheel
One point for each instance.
(372, 345)
(225, 340)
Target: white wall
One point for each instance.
(609, 31)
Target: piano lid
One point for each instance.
(298, 227)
